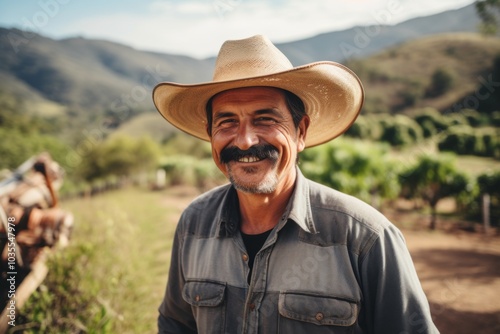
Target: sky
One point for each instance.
(197, 28)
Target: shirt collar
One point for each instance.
(298, 209)
(300, 205)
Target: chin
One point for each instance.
(266, 186)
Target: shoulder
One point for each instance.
(209, 200)
(201, 216)
(328, 199)
(345, 219)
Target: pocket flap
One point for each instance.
(204, 293)
(316, 309)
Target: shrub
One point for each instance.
(441, 82)
(68, 301)
(495, 118)
(401, 130)
(187, 170)
(465, 140)
(431, 120)
(357, 168)
(474, 118)
(433, 178)
(458, 139)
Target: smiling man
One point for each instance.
(273, 252)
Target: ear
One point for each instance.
(208, 129)
(302, 133)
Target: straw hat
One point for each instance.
(332, 94)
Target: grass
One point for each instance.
(116, 266)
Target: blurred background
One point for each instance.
(78, 127)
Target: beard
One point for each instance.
(266, 185)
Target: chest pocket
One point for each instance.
(309, 313)
(207, 302)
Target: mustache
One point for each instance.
(260, 152)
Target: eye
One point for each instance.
(226, 122)
(265, 120)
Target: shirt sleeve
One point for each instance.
(176, 316)
(393, 297)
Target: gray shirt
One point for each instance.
(332, 264)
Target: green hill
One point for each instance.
(398, 79)
(88, 75)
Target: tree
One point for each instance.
(486, 9)
(441, 82)
(401, 130)
(431, 121)
(489, 183)
(119, 156)
(357, 168)
(432, 179)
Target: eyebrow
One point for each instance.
(266, 111)
(269, 111)
(223, 114)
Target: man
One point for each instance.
(273, 252)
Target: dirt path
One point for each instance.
(460, 274)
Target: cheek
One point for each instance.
(216, 149)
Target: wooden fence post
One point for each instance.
(486, 212)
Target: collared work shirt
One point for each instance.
(332, 264)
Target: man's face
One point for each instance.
(254, 140)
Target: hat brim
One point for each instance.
(332, 95)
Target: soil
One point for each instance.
(458, 266)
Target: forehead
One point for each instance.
(275, 97)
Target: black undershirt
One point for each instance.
(253, 244)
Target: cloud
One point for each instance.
(198, 28)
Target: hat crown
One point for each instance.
(250, 57)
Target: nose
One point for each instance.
(245, 137)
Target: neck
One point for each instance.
(262, 212)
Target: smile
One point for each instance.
(249, 159)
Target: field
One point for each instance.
(118, 260)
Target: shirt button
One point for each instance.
(197, 298)
(245, 257)
(319, 316)
(252, 306)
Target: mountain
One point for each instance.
(362, 41)
(399, 78)
(91, 80)
(88, 74)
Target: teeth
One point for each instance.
(248, 159)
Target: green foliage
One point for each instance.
(467, 141)
(433, 178)
(16, 147)
(410, 94)
(24, 135)
(367, 127)
(495, 118)
(474, 117)
(486, 10)
(401, 131)
(431, 121)
(357, 168)
(68, 300)
(441, 82)
(490, 94)
(111, 277)
(189, 170)
(181, 143)
(489, 183)
(120, 155)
